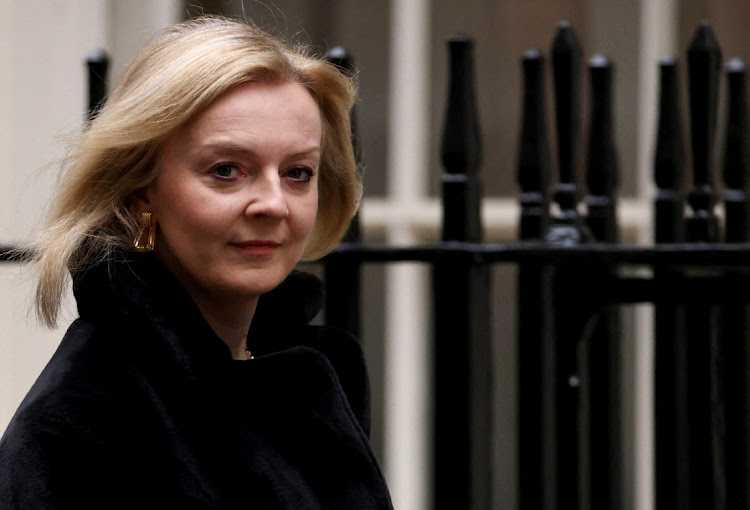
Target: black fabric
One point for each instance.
(143, 407)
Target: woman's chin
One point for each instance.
(256, 288)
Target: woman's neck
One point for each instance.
(230, 323)
(228, 315)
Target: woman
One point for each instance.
(191, 378)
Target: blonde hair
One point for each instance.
(169, 82)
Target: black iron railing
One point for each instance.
(570, 283)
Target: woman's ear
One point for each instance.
(138, 202)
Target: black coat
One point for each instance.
(143, 407)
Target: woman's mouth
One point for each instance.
(257, 247)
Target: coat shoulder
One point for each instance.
(59, 428)
(345, 354)
(78, 376)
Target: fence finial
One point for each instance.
(602, 174)
(97, 64)
(567, 228)
(704, 65)
(669, 158)
(341, 58)
(736, 155)
(533, 155)
(461, 149)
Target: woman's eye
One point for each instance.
(300, 173)
(225, 170)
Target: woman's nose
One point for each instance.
(267, 197)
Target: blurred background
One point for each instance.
(401, 56)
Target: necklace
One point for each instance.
(249, 354)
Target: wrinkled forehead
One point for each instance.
(253, 118)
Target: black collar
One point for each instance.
(137, 293)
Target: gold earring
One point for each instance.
(147, 233)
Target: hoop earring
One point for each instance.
(144, 240)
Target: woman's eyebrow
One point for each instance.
(221, 146)
(231, 147)
(313, 150)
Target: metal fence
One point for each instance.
(570, 283)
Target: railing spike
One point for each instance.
(341, 58)
(566, 63)
(704, 65)
(461, 151)
(736, 154)
(533, 157)
(670, 148)
(669, 158)
(602, 175)
(567, 228)
(461, 148)
(97, 64)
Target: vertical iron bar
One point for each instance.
(705, 465)
(566, 229)
(462, 357)
(670, 369)
(602, 384)
(97, 64)
(735, 318)
(343, 277)
(575, 317)
(535, 313)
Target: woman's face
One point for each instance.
(237, 192)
